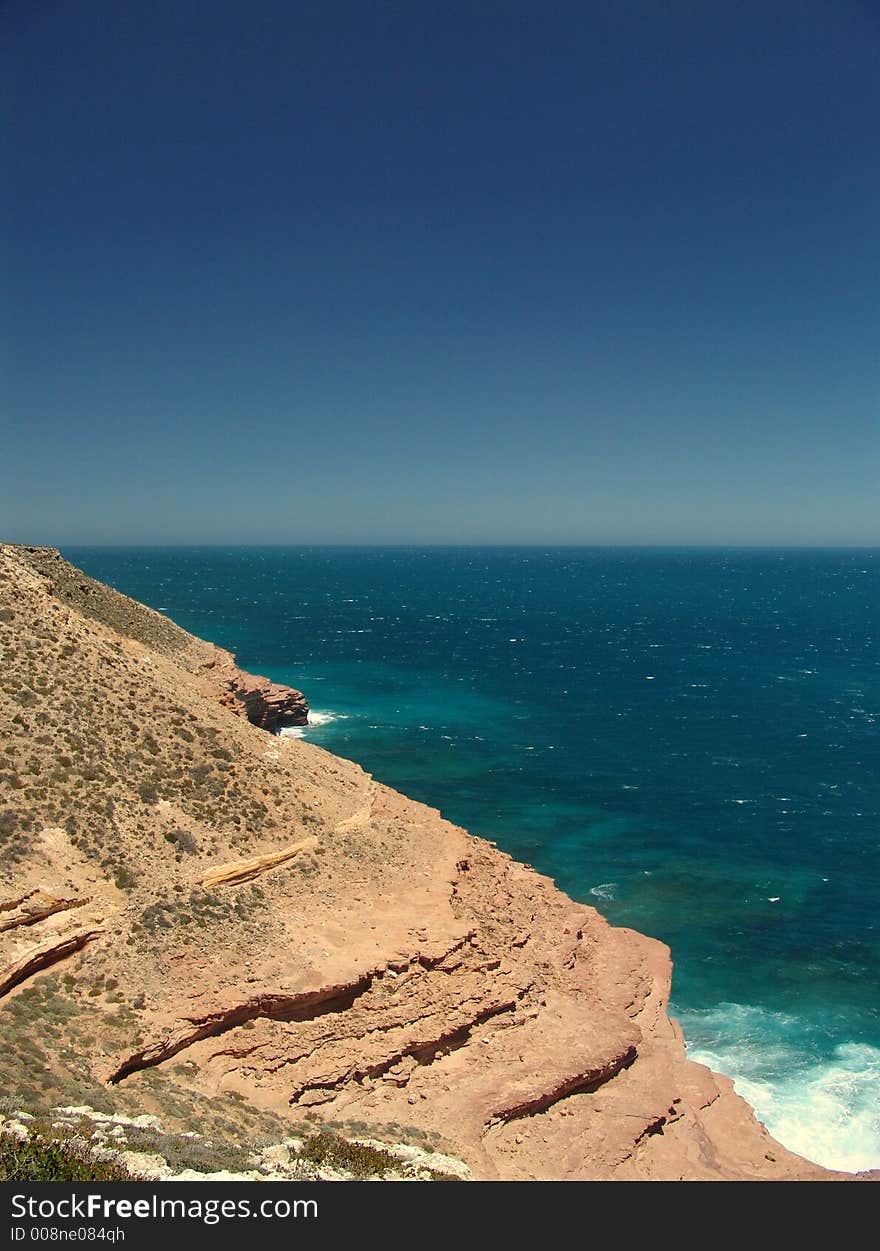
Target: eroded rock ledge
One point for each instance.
(266, 704)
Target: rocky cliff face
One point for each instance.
(249, 937)
(265, 704)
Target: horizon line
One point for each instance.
(219, 546)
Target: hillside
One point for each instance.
(247, 937)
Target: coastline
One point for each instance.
(826, 1088)
(544, 1043)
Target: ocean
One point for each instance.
(684, 738)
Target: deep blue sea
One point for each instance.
(684, 738)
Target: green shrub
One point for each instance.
(336, 1152)
(41, 1158)
(183, 839)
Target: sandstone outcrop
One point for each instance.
(266, 704)
(233, 931)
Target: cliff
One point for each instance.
(247, 937)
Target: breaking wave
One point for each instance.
(317, 718)
(827, 1110)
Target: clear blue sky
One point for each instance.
(464, 271)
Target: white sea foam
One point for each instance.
(323, 718)
(316, 718)
(828, 1112)
(605, 890)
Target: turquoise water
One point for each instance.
(685, 738)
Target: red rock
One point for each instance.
(266, 704)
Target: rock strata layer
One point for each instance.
(250, 938)
(266, 704)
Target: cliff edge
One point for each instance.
(240, 933)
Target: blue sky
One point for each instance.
(288, 271)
